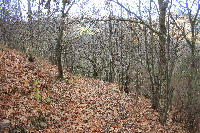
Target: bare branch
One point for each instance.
(184, 35)
(195, 18)
(69, 7)
(142, 21)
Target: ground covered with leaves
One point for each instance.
(33, 99)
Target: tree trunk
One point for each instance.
(59, 39)
(59, 42)
(161, 93)
(30, 27)
(59, 49)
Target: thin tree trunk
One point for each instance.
(30, 27)
(110, 48)
(59, 39)
(38, 27)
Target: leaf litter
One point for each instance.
(74, 104)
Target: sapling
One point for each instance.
(37, 94)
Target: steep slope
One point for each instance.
(32, 99)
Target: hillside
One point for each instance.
(32, 99)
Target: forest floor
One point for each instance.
(33, 99)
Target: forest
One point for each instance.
(100, 66)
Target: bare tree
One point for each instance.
(159, 101)
(60, 37)
(189, 68)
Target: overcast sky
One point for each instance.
(99, 5)
(94, 5)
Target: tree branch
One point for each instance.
(142, 21)
(69, 7)
(184, 35)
